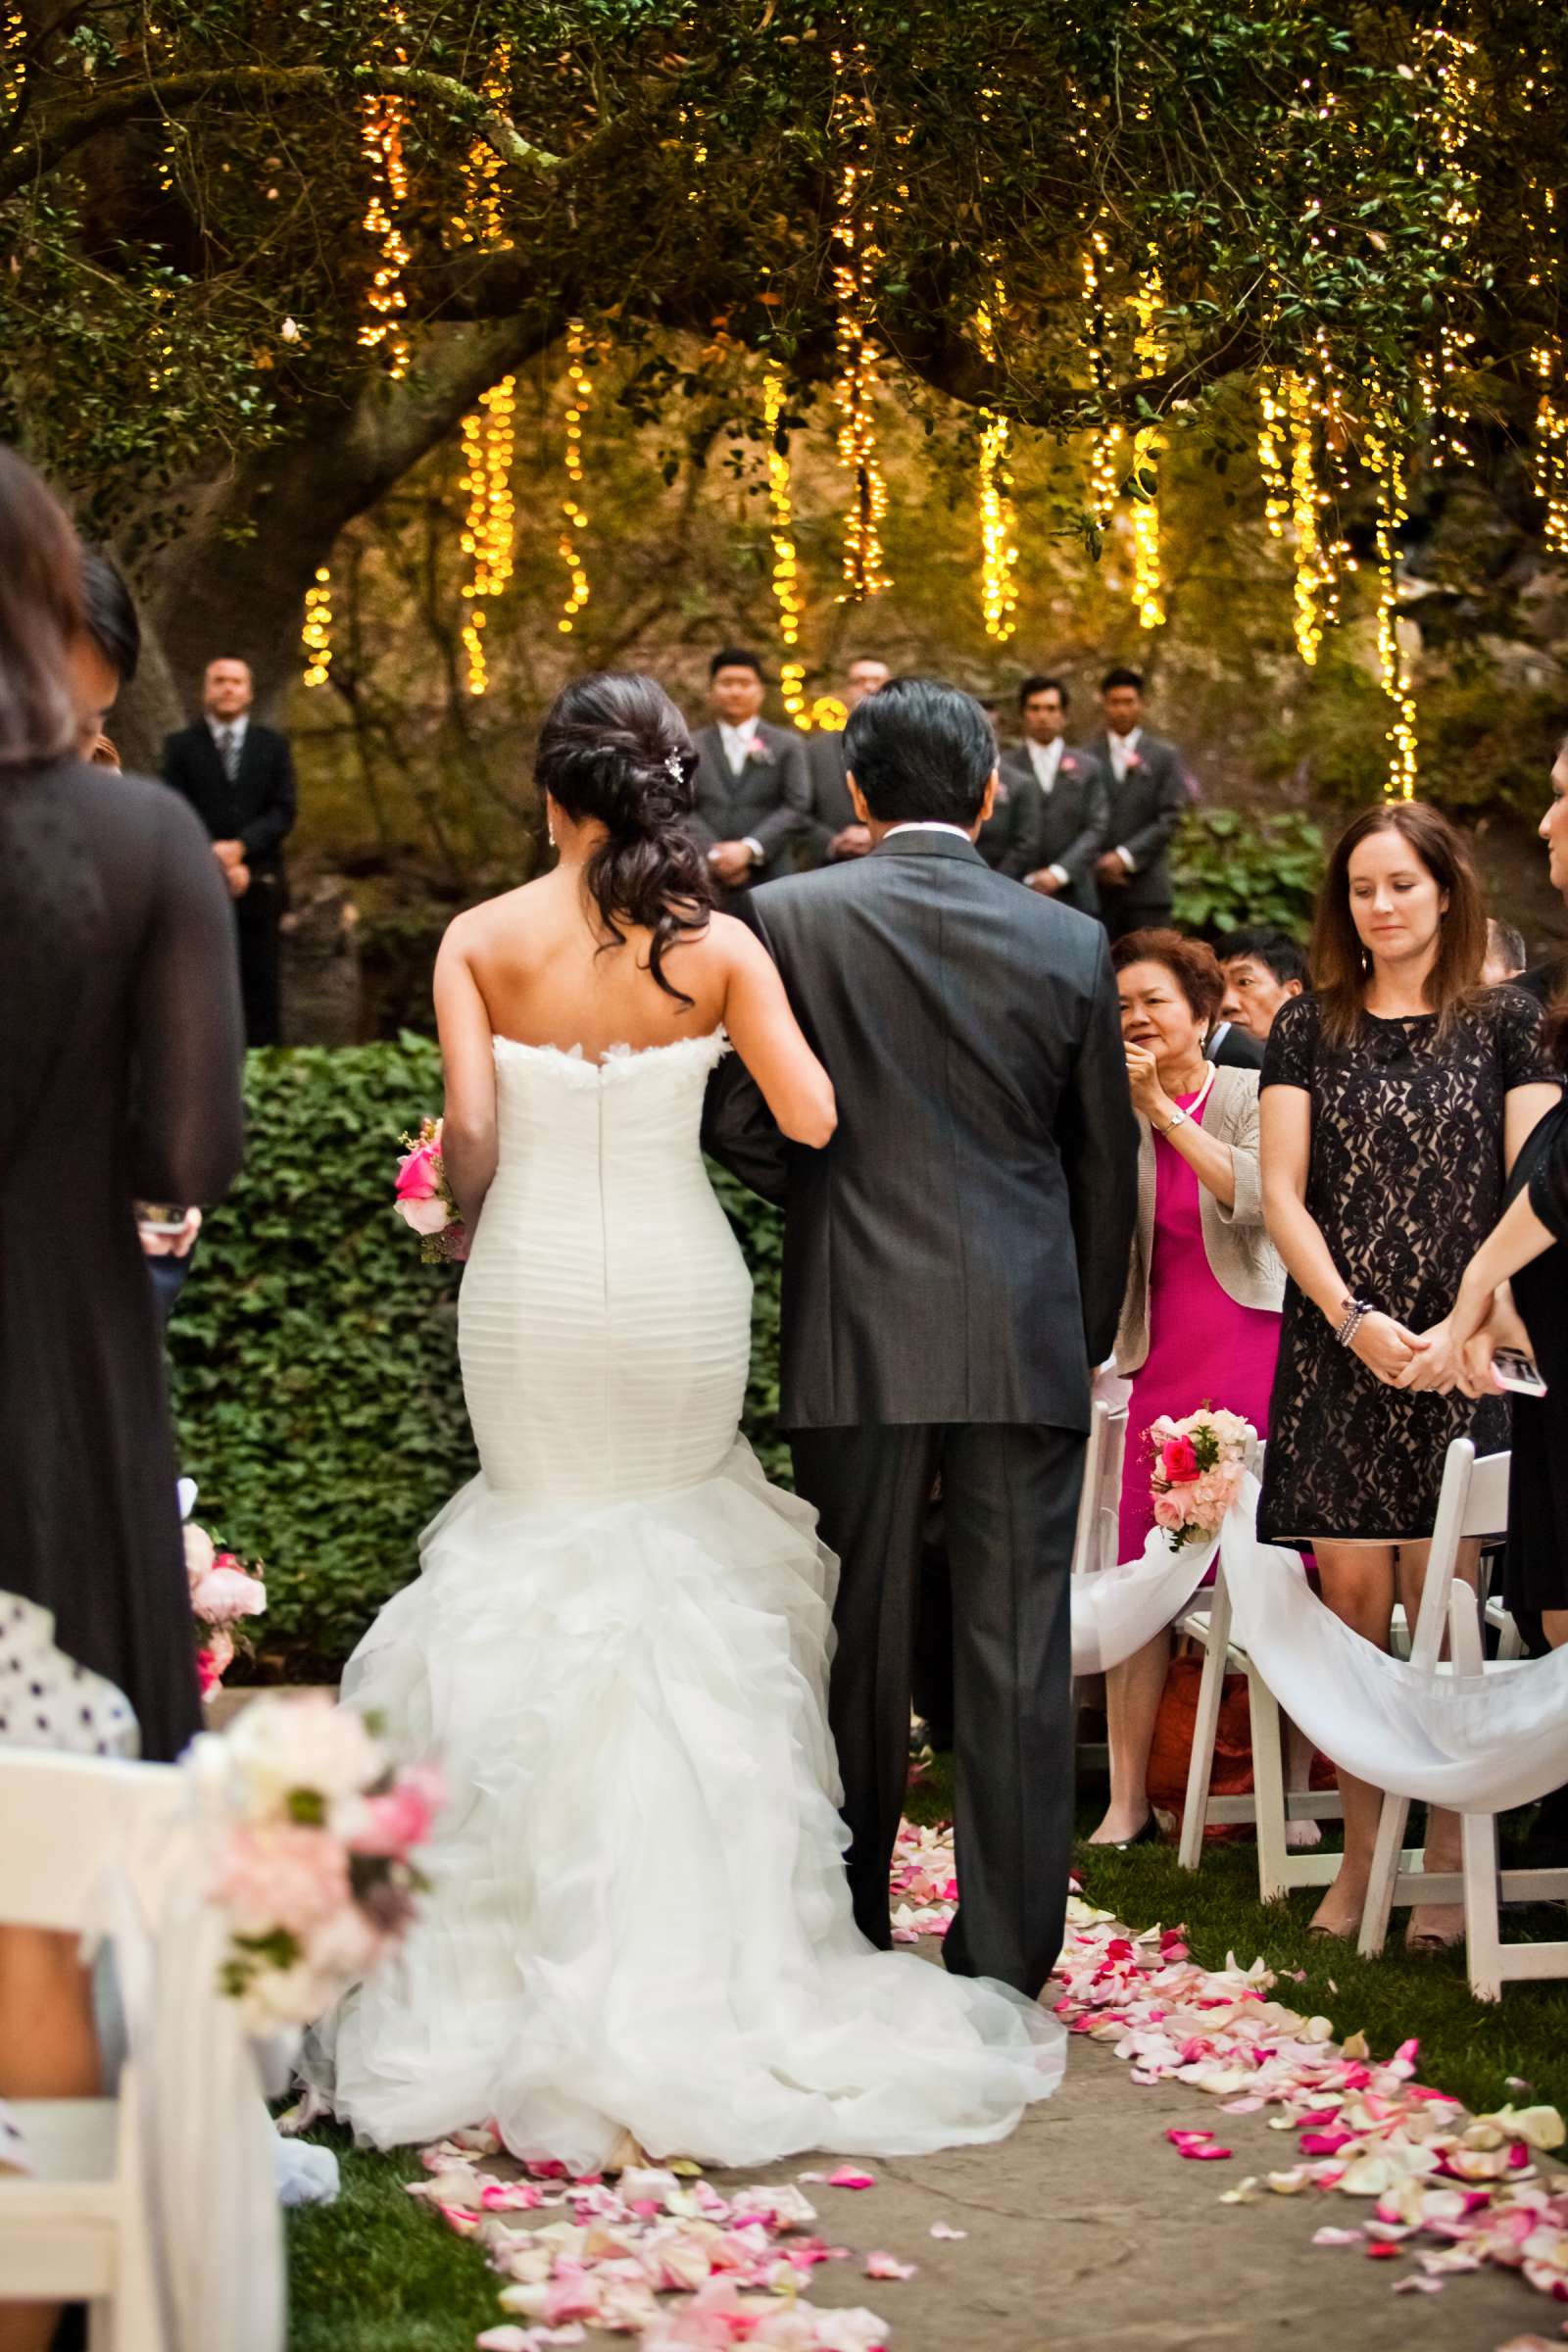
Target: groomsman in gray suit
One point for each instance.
(1150, 787)
(1063, 796)
(835, 832)
(754, 796)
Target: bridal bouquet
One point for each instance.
(424, 1197)
(223, 1591)
(1199, 1463)
(314, 1869)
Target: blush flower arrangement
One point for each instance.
(315, 1870)
(423, 1197)
(224, 1591)
(1200, 1464)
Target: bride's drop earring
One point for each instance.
(550, 830)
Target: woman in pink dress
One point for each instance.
(1200, 1322)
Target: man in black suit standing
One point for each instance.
(240, 779)
(1064, 796)
(954, 1262)
(1150, 787)
(835, 831)
(752, 794)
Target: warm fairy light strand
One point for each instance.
(489, 438)
(1386, 456)
(1312, 571)
(480, 222)
(572, 509)
(13, 64)
(381, 139)
(315, 635)
(1149, 350)
(856, 256)
(998, 550)
(1106, 448)
(786, 563)
(1452, 58)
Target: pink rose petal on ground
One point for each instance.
(888, 2266)
(945, 2230)
(1336, 2237)
(1416, 2285)
(846, 2177)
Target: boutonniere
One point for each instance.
(1004, 792)
(1066, 765)
(1134, 760)
(757, 753)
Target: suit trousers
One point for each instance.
(257, 916)
(1119, 918)
(1010, 1503)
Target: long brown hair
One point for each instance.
(1342, 966)
(40, 614)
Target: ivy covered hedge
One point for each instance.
(314, 1358)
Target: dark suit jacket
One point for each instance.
(960, 1249)
(1145, 808)
(1008, 835)
(831, 806)
(1235, 1049)
(258, 809)
(768, 802)
(1545, 982)
(1068, 825)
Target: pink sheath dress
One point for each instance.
(1203, 1347)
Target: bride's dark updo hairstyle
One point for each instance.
(616, 749)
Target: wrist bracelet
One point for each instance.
(1359, 1310)
(1180, 1118)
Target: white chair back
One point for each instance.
(1472, 1504)
(1100, 1499)
(62, 1820)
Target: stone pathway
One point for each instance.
(1087, 2233)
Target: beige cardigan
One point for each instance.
(1242, 1258)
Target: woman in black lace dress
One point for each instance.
(1394, 1100)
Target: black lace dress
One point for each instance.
(1405, 1180)
(121, 1054)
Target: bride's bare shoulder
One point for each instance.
(492, 919)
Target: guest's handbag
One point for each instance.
(1171, 1753)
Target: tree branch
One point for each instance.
(55, 136)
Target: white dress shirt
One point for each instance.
(1122, 747)
(737, 744)
(220, 727)
(929, 824)
(1045, 759)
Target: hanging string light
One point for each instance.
(786, 566)
(13, 63)
(1388, 457)
(1149, 353)
(489, 438)
(573, 511)
(383, 119)
(1273, 413)
(1548, 455)
(1105, 446)
(998, 550)
(1453, 59)
(315, 635)
(480, 223)
(858, 257)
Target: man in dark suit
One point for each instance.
(1064, 796)
(1150, 787)
(240, 779)
(834, 830)
(752, 794)
(954, 1262)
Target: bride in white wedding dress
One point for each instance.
(618, 1642)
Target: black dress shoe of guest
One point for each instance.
(1148, 1835)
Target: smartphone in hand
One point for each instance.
(1517, 1372)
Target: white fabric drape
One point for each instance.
(1479, 1744)
(1116, 1610)
(205, 2139)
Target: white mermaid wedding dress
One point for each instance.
(617, 1647)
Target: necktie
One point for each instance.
(228, 751)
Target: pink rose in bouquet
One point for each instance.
(423, 1199)
(1200, 1468)
(390, 1825)
(282, 1874)
(227, 1592)
(223, 1590)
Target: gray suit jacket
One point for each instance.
(1065, 829)
(769, 801)
(958, 1252)
(831, 806)
(1146, 808)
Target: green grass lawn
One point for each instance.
(378, 2272)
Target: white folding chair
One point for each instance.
(1472, 1503)
(1093, 1545)
(78, 2229)
(1490, 1963)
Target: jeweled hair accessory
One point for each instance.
(675, 767)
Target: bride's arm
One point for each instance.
(468, 1054)
(767, 1037)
